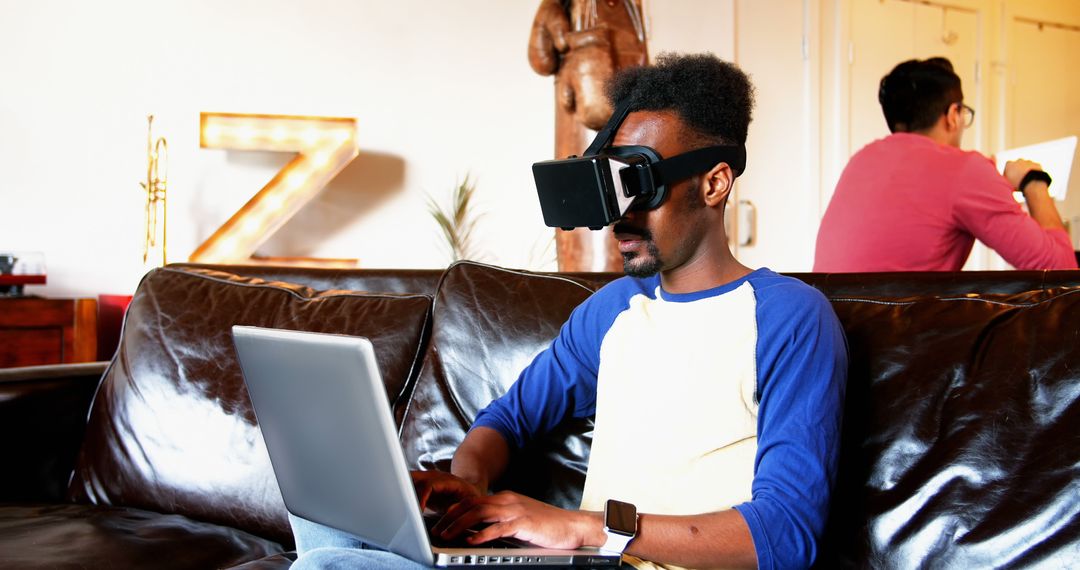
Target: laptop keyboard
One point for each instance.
(501, 560)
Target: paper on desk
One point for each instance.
(1055, 156)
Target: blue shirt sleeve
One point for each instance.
(561, 381)
(802, 372)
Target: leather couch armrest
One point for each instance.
(43, 411)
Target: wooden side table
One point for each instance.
(37, 331)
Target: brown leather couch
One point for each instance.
(961, 440)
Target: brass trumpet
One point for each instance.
(157, 153)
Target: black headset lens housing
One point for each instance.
(601, 186)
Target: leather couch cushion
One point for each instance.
(960, 432)
(91, 536)
(172, 429)
(488, 323)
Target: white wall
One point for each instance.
(440, 89)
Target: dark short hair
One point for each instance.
(917, 92)
(712, 97)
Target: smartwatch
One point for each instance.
(620, 525)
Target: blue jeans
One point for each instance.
(323, 547)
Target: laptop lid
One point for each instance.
(322, 407)
(323, 411)
(1055, 157)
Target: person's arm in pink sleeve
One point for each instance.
(985, 208)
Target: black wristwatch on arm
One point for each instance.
(620, 525)
(1033, 176)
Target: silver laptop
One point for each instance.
(322, 407)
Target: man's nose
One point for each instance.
(632, 216)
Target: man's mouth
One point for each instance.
(630, 239)
(628, 246)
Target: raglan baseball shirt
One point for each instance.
(725, 398)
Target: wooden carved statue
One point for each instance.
(583, 43)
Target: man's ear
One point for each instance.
(953, 118)
(716, 184)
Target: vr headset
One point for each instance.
(600, 187)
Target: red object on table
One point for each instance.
(7, 279)
(111, 309)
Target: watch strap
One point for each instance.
(616, 543)
(1033, 176)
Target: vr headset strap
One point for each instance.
(687, 164)
(676, 168)
(608, 132)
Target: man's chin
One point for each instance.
(636, 266)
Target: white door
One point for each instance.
(885, 33)
(777, 203)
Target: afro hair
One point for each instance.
(711, 96)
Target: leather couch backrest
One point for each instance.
(960, 442)
(410, 281)
(488, 323)
(895, 284)
(171, 428)
(912, 284)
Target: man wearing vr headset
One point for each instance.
(716, 389)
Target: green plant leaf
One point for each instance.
(457, 222)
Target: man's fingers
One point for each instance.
(505, 498)
(425, 493)
(453, 513)
(437, 490)
(474, 510)
(479, 513)
(465, 520)
(491, 532)
(448, 517)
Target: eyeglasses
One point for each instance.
(966, 113)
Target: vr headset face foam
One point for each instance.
(598, 188)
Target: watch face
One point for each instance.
(620, 517)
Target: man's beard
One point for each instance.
(646, 265)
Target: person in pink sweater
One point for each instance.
(913, 201)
